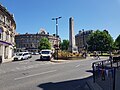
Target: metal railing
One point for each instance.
(106, 71)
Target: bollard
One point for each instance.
(103, 72)
(93, 72)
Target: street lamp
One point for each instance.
(83, 39)
(56, 19)
(84, 44)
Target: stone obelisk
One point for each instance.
(72, 46)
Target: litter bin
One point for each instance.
(0, 59)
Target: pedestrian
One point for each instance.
(98, 57)
(94, 54)
(110, 57)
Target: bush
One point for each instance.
(67, 55)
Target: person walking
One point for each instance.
(98, 57)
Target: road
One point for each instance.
(33, 74)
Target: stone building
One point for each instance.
(81, 39)
(30, 42)
(7, 34)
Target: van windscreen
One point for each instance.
(45, 52)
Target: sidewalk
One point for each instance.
(88, 58)
(107, 84)
(92, 85)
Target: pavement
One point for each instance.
(90, 85)
(88, 58)
(111, 78)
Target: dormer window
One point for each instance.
(1, 18)
(42, 31)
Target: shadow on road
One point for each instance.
(41, 60)
(91, 71)
(79, 84)
(17, 60)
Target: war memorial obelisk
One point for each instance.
(72, 47)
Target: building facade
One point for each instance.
(7, 34)
(30, 42)
(81, 39)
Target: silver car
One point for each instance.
(22, 56)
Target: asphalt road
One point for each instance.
(33, 74)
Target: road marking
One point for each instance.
(24, 63)
(61, 62)
(23, 68)
(77, 65)
(35, 74)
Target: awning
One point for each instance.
(5, 43)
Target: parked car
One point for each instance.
(35, 53)
(30, 55)
(46, 54)
(22, 56)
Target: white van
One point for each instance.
(46, 54)
(22, 56)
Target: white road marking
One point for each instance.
(35, 75)
(77, 65)
(24, 63)
(23, 68)
(61, 62)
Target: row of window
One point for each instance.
(30, 36)
(26, 40)
(27, 45)
(5, 36)
(5, 20)
(31, 41)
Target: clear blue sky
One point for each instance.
(31, 15)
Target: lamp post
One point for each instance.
(84, 44)
(56, 19)
(83, 39)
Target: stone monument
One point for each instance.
(72, 47)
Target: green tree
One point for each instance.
(64, 45)
(117, 42)
(100, 41)
(44, 44)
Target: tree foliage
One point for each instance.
(117, 42)
(44, 44)
(100, 41)
(64, 45)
